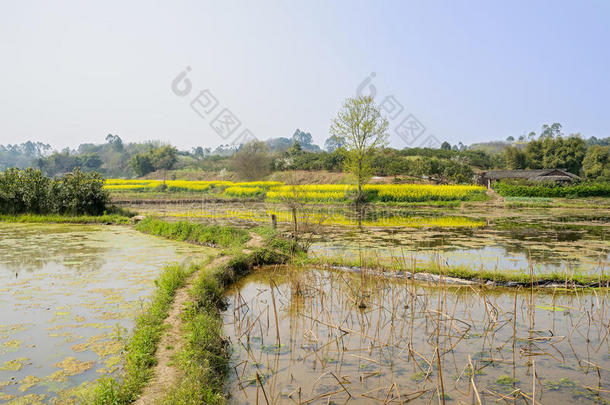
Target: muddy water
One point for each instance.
(509, 250)
(68, 298)
(312, 336)
(550, 240)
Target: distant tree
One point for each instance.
(295, 150)
(279, 144)
(198, 152)
(364, 129)
(455, 171)
(115, 141)
(141, 164)
(565, 153)
(446, 146)
(551, 131)
(596, 163)
(24, 155)
(333, 143)
(225, 150)
(303, 138)
(553, 150)
(164, 158)
(252, 161)
(535, 154)
(510, 139)
(398, 167)
(598, 141)
(514, 158)
(90, 162)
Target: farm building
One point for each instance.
(554, 175)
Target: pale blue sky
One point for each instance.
(470, 71)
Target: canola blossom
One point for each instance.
(241, 191)
(278, 192)
(336, 219)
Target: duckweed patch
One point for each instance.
(506, 380)
(15, 364)
(28, 382)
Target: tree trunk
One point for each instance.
(294, 221)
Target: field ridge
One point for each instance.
(166, 373)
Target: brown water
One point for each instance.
(69, 295)
(313, 336)
(550, 240)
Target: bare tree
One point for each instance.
(306, 223)
(252, 161)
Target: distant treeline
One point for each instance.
(550, 148)
(30, 192)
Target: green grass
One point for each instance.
(468, 273)
(66, 219)
(215, 235)
(205, 357)
(528, 199)
(141, 348)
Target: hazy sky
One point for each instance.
(73, 71)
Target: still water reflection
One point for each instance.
(68, 298)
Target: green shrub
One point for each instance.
(552, 190)
(29, 192)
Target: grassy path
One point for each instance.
(178, 353)
(166, 372)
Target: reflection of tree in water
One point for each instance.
(92, 260)
(30, 250)
(543, 245)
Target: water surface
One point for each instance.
(68, 298)
(560, 240)
(312, 336)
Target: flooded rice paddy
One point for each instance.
(486, 238)
(309, 336)
(69, 295)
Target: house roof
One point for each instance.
(540, 174)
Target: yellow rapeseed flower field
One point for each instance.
(241, 191)
(277, 191)
(337, 219)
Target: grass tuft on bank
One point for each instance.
(66, 219)
(508, 278)
(202, 234)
